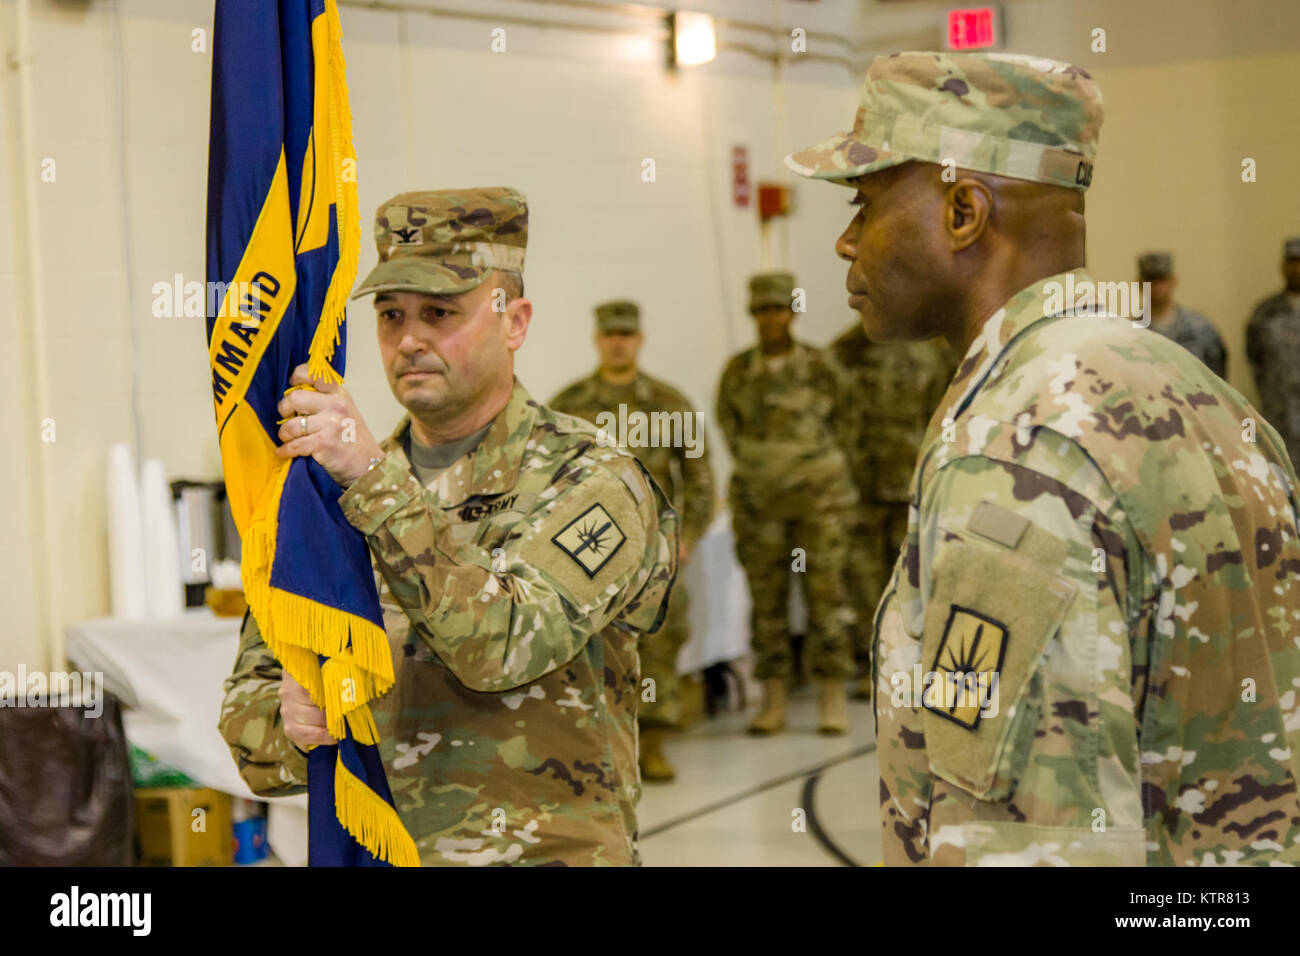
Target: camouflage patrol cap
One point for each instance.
(618, 316)
(1010, 115)
(447, 241)
(1291, 248)
(1155, 265)
(770, 288)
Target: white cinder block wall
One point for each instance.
(567, 115)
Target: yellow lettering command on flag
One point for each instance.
(254, 303)
(966, 666)
(255, 300)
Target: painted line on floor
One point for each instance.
(754, 791)
(809, 801)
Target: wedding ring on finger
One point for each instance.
(302, 423)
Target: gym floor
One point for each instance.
(794, 799)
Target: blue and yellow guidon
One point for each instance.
(283, 237)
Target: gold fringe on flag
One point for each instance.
(372, 821)
(296, 629)
(334, 311)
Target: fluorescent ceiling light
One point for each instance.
(694, 39)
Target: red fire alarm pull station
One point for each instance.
(973, 29)
(773, 200)
(740, 175)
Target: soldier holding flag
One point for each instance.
(521, 563)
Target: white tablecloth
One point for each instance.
(719, 608)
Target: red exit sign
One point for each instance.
(975, 29)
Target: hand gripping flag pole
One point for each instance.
(283, 237)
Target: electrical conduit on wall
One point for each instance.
(49, 622)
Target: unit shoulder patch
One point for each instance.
(966, 666)
(590, 542)
(591, 539)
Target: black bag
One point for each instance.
(65, 787)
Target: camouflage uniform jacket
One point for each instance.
(1198, 335)
(893, 388)
(1097, 534)
(686, 479)
(514, 591)
(786, 430)
(1273, 348)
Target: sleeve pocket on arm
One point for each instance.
(988, 622)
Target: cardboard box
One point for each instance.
(171, 833)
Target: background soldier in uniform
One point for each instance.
(892, 388)
(1273, 348)
(681, 471)
(520, 561)
(782, 410)
(1100, 574)
(1189, 329)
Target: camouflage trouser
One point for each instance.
(659, 662)
(765, 549)
(879, 532)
